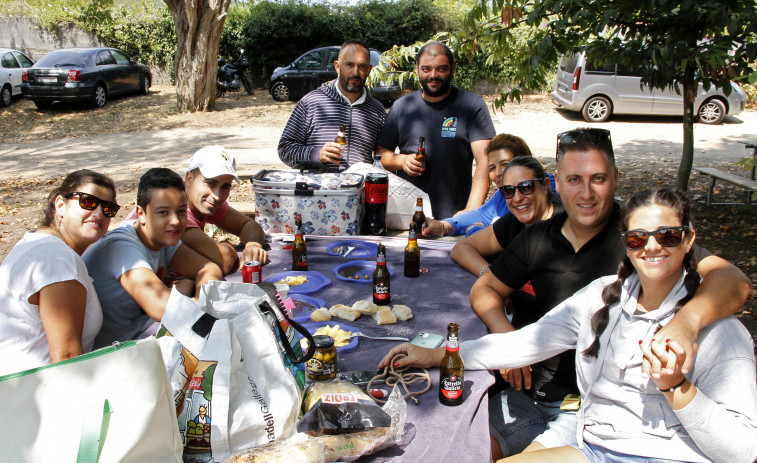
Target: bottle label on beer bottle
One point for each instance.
(381, 291)
(453, 344)
(452, 386)
(376, 193)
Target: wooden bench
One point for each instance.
(749, 184)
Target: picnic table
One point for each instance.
(433, 432)
(747, 183)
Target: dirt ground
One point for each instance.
(133, 133)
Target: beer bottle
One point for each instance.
(412, 254)
(340, 137)
(451, 371)
(381, 293)
(420, 156)
(376, 199)
(299, 248)
(418, 216)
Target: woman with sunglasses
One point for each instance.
(526, 188)
(500, 151)
(48, 306)
(707, 414)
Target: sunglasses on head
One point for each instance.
(587, 134)
(669, 237)
(90, 202)
(525, 187)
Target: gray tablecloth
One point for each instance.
(434, 432)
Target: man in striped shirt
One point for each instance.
(309, 135)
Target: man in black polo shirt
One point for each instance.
(560, 256)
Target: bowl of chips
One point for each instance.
(341, 333)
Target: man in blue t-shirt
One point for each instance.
(457, 128)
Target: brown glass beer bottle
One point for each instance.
(412, 254)
(299, 248)
(421, 156)
(340, 138)
(418, 216)
(381, 292)
(451, 371)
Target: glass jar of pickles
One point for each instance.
(322, 367)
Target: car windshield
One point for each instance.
(63, 58)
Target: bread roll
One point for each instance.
(321, 315)
(344, 312)
(384, 316)
(365, 307)
(402, 312)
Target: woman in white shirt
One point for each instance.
(48, 307)
(708, 413)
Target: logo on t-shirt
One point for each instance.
(449, 127)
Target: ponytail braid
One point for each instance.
(691, 280)
(610, 296)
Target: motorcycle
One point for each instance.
(231, 77)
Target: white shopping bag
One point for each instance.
(244, 389)
(110, 405)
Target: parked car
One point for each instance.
(314, 68)
(84, 74)
(12, 64)
(599, 93)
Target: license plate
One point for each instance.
(47, 80)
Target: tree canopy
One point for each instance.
(668, 41)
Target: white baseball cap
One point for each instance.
(214, 161)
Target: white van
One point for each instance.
(600, 92)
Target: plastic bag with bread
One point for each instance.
(330, 448)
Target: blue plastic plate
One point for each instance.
(352, 249)
(355, 271)
(313, 326)
(305, 306)
(316, 281)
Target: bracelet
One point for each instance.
(674, 387)
(483, 270)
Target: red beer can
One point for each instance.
(252, 272)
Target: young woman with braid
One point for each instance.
(709, 414)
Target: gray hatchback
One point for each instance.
(600, 92)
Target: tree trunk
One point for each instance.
(689, 93)
(198, 32)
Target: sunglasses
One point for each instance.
(586, 134)
(525, 187)
(90, 202)
(669, 237)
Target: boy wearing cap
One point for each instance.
(208, 184)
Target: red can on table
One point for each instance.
(252, 272)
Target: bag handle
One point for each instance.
(285, 324)
(96, 422)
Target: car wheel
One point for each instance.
(596, 109)
(5, 95)
(280, 91)
(42, 104)
(146, 84)
(711, 112)
(100, 96)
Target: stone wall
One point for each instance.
(22, 34)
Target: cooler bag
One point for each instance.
(327, 203)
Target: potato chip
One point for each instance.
(293, 280)
(340, 336)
